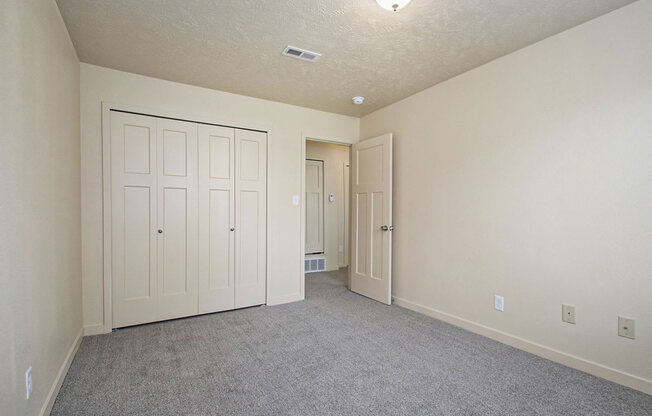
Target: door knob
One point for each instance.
(160, 231)
(384, 227)
(391, 228)
(232, 228)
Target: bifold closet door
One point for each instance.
(133, 219)
(188, 218)
(250, 217)
(177, 218)
(154, 218)
(217, 218)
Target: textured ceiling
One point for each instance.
(236, 45)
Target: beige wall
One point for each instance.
(40, 304)
(531, 177)
(335, 213)
(285, 159)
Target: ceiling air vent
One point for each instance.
(301, 54)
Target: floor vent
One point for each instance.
(315, 264)
(301, 54)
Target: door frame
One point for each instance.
(307, 135)
(107, 276)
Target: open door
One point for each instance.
(371, 218)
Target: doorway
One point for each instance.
(326, 196)
(364, 241)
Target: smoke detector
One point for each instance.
(358, 100)
(299, 53)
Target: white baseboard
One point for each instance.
(578, 363)
(63, 370)
(94, 329)
(284, 299)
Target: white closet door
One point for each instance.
(133, 221)
(251, 208)
(177, 218)
(314, 206)
(216, 218)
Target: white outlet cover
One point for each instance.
(568, 314)
(295, 200)
(626, 328)
(499, 303)
(28, 383)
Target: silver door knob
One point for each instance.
(391, 228)
(384, 227)
(232, 228)
(160, 231)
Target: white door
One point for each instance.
(314, 206)
(217, 218)
(177, 218)
(188, 223)
(250, 217)
(371, 218)
(134, 219)
(154, 218)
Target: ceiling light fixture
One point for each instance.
(358, 100)
(392, 4)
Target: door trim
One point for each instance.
(107, 325)
(307, 135)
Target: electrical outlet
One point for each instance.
(626, 328)
(568, 314)
(28, 383)
(499, 303)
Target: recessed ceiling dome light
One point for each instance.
(358, 100)
(392, 4)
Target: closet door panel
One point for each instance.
(133, 222)
(251, 212)
(217, 217)
(177, 218)
(175, 253)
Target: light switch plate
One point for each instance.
(626, 327)
(499, 303)
(295, 200)
(568, 314)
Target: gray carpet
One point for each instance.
(336, 353)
